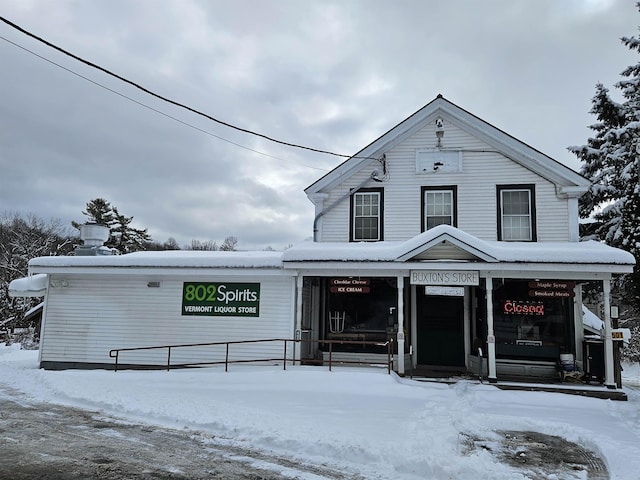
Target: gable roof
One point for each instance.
(570, 183)
(458, 242)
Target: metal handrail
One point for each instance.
(115, 353)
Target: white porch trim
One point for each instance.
(491, 338)
(609, 376)
(400, 325)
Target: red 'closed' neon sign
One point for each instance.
(517, 307)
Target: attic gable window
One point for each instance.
(435, 161)
(366, 215)
(516, 213)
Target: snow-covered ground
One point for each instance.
(359, 420)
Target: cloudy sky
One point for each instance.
(332, 75)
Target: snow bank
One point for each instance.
(362, 421)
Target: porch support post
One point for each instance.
(298, 331)
(400, 325)
(491, 338)
(609, 377)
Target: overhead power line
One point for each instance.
(187, 124)
(165, 99)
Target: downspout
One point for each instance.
(375, 176)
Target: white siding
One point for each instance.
(482, 169)
(97, 313)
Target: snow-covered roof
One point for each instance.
(31, 286)
(169, 258)
(590, 252)
(492, 253)
(591, 321)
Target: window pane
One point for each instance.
(366, 221)
(516, 215)
(515, 202)
(366, 228)
(438, 208)
(435, 221)
(516, 228)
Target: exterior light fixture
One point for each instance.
(439, 131)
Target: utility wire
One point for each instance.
(165, 99)
(154, 109)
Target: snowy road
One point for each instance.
(44, 440)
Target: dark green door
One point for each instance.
(440, 330)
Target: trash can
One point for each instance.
(593, 350)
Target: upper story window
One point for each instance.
(366, 215)
(438, 206)
(516, 213)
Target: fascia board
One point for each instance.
(340, 174)
(566, 271)
(341, 268)
(509, 146)
(556, 271)
(378, 147)
(338, 266)
(164, 271)
(516, 270)
(574, 192)
(516, 150)
(332, 272)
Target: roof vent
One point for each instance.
(93, 235)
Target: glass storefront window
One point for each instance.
(533, 319)
(360, 309)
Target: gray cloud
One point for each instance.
(329, 74)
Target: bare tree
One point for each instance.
(230, 243)
(208, 245)
(21, 239)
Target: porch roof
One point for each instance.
(417, 249)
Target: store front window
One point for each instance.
(360, 309)
(533, 319)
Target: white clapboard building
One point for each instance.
(445, 235)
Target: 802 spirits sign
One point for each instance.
(221, 299)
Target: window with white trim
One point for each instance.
(516, 215)
(366, 215)
(438, 206)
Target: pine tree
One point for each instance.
(611, 160)
(99, 211)
(126, 238)
(122, 236)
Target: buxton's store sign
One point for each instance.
(221, 299)
(445, 277)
